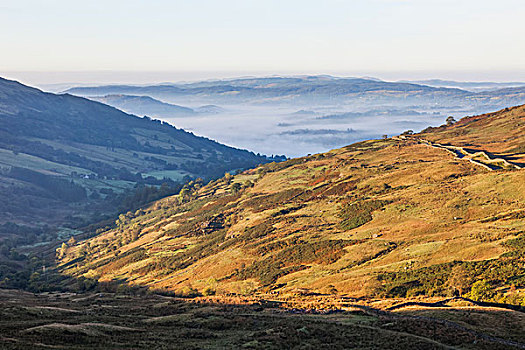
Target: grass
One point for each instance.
(359, 229)
(116, 321)
(175, 175)
(8, 158)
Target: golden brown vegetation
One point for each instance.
(391, 218)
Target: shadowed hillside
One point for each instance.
(117, 321)
(389, 218)
(66, 161)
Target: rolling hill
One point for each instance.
(144, 105)
(65, 160)
(391, 218)
(279, 89)
(308, 90)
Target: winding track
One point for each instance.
(488, 163)
(387, 313)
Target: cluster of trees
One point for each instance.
(143, 194)
(188, 190)
(66, 190)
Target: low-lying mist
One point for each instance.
(274, 129)
(296, 116)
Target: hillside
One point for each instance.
(144, 105)
(66, 160)
(500, 133)
(389, 218)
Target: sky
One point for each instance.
(94, 41)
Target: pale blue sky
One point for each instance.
(390, 38)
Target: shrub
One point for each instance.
(293, 257)
(208, 291)
(481, 290)
(358, 213)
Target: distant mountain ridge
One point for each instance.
(467, 85)
(352, 94)
(146, 105)
(247, 88)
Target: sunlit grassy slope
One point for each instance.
(500, 133)
(381, 217)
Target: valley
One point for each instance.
(68, 162)
(266, 175)
(304, 115)
(413, 240)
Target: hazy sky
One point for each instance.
(177, 40)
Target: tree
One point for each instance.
(135, 234)
(450, 120)
(481, 290)
(62, 251)
(228, 178)
(236, 187)
(184, 194)
(331, 289)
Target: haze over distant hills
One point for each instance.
(465, 85)
(264, 114)
(284, 89)
(145, 105)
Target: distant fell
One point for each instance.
(144, 105)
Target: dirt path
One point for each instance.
(479, 158)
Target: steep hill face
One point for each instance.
(63, 156)
(395, 217)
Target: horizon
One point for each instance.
(45, 80)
